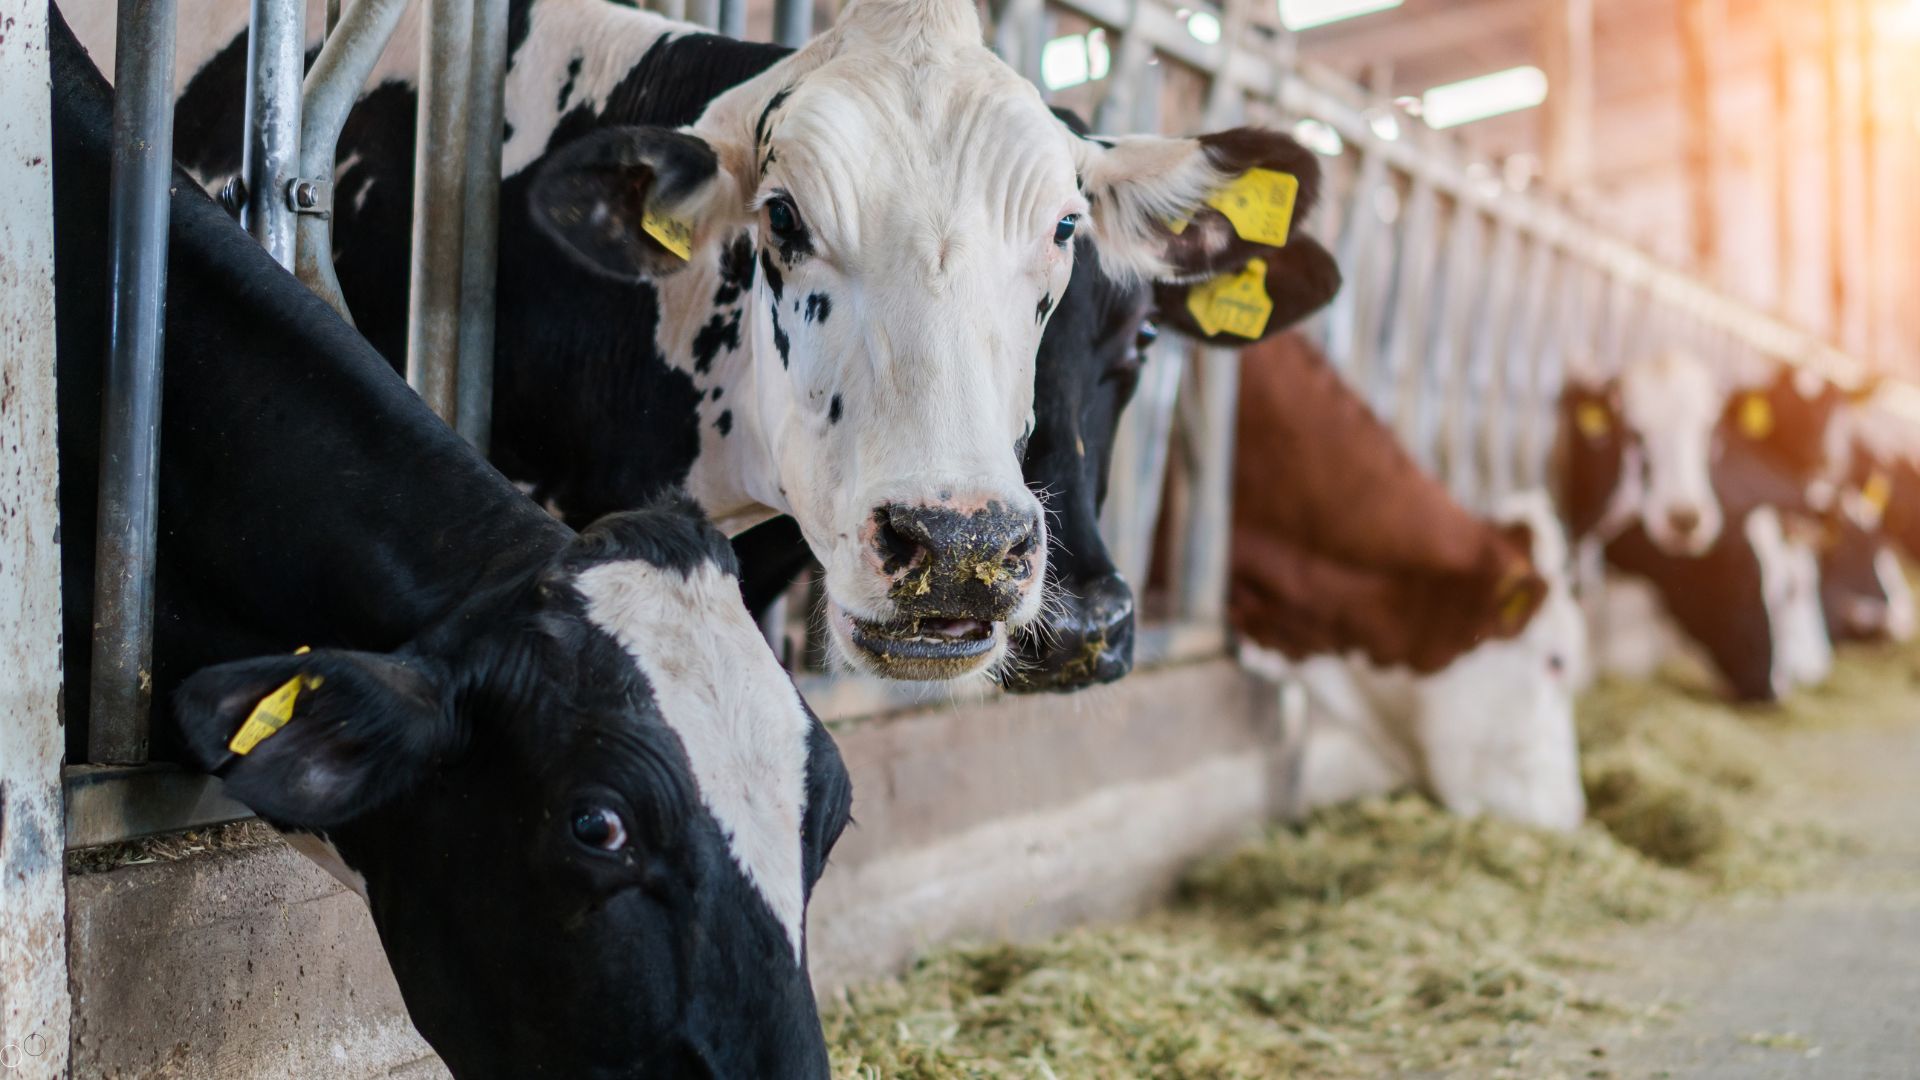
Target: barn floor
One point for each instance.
(1817, 983)
(1745, 903)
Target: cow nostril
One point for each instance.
(1684, 520)
(897, 547)
(1023, 546)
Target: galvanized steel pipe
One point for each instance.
(340, 71)
(792, 22)
(480, 250)
(271, 156)
(439, 194)
(137, 218)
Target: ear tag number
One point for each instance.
(1260, 205)
(1235, 304)
(671, 233)
(1592, 419)
(1756, 417)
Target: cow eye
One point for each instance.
(599, 828)
(782, 218)
(1149, 333)
(1063, 232)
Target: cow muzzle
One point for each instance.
(955, 574)
(1085, 639)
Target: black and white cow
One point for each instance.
(1088, 367)
(585, 805)
(881, 225)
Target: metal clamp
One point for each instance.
(310, 197)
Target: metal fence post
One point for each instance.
(34, 996)
(439, 197)
(275, 49)
(137, 219)
(792, 22)
(479, 252)
(327, 96)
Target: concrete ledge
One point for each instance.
(1012, 818)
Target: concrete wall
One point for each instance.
(1013, 818)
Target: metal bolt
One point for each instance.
(305, 196)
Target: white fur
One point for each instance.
(321, 852)
(735, 711)
(1790, 584)
(1492, 733)
(1893, 582)
(1672, 402)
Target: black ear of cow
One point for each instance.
(1301, 278)
(363, 729)
(594, 194)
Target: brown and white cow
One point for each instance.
(1434, 648)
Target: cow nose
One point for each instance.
(950, 562)
(1084, 639)
(1683, 520)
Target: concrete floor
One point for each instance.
(1824, 983)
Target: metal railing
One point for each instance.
(1464, 305)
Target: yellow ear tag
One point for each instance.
(1260, 205)
(1756, 417)
(1236, 304)
(268, 717)
(1877, 492)
(1592, 419)
(673, 234)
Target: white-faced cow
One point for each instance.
(880, 226)
(1750, 596)
(1099, 337)
(585, 805)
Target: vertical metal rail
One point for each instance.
(733, 18)
(792, 22)
(439, 191)
(137, 218)
(327, 96)
(480, 250)
(271, 157)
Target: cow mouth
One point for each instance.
(920, 648)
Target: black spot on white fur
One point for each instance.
(819, 306)
(833, 410)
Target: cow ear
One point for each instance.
(633, 202)
(318, 739)
(1213, 221)
(1272, 291)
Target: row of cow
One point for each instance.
(894, 295)
(854, 303)
(1750, 518)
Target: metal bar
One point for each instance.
(672, 9)
(109, 805)
(480, 249)
(35, 1001)
(439, 190)
(704, 13)
(275, 49)
(733, 18)
(1203, 578)
(137, 218)
(327, 96)
(792, 22)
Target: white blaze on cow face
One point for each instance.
(736, 713)
(1671, 403)
(1893, 582)
(1790, 587)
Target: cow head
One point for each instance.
(908, 207)
(1792, 420)
(1641, 449)
(587, 821)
